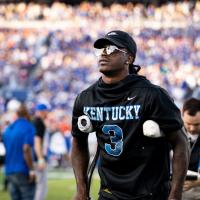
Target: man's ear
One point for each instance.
(130, 59)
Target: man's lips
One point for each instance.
(103, 61)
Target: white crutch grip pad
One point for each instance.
(152, 129)
(84, 124)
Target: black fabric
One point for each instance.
(40, 127)
(40, 130)
(130, 164)
(161, 194)
(2, 154)
(195, 155)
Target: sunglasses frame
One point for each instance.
(107, 50)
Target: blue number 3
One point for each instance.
(116, 139)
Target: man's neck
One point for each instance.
(111, 79)
(193, 137)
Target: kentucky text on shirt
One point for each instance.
(112, 113)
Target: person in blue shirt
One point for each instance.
(19, 140)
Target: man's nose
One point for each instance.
(104, 52)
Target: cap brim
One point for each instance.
(101, 42)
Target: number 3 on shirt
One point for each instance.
(116, 139)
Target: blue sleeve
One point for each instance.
(5, 134)
(29, 139)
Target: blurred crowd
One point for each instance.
(47, 56)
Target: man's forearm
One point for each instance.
(80, 160)
(28, 156)
(179, 164)
(38, 147)
(179, 169)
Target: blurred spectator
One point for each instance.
(58, 148)
(18, 139)
(65, 130)
(2, 151)
(41, 166)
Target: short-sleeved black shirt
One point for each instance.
(131, 165)
(40, 129)
(39, 126)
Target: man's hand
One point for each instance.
(41, 164)
(32, 176)
(190, 184)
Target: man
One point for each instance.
(191, 118)
(131, 165)
(41, 168)
(18, 139)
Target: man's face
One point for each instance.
(114, 62)
(43, 114)
(192, 123)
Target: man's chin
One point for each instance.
(107, 72)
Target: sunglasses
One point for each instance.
(108, 50)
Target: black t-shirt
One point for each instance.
(40, 127)
(131, 165)
(40, 130)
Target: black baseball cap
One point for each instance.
(120, 39)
